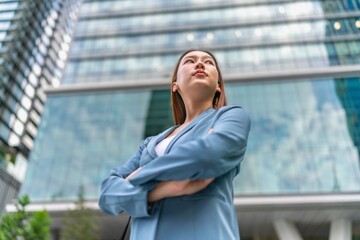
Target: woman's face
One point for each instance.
(197, 73)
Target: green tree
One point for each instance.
(25, 225)
(81, 223)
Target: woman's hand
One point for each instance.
(177, 188)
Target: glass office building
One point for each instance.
(294, 65)
(34, 41)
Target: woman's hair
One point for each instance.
(177, 103)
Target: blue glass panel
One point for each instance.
(208, 37)
(305, 137)
(128, 5)
(8, 6)
(81, 138)
(312, 55)
(200, 17)
(6, 15)
(301, 139)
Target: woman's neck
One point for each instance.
(194, 110)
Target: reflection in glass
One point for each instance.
(97, 132)
(299, 141)
(303, 137)
(201, 16)
(250, 59)
(254, 34)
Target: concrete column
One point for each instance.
(340, 229)
(286, 230)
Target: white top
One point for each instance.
(161, 146)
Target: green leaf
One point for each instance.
(24, 225)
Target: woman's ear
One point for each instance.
(218, 89)
(174, 87)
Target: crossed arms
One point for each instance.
(186, 169)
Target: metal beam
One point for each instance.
(116, 83)
(298, 200)
(343, 200)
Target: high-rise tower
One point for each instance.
(281, 60)
(34, 40)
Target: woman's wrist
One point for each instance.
(152, 197)
(155, 195)
(162, 190)
(177, 188)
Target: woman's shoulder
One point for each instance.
(233, 110)
(234, 114)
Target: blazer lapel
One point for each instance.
(161, 136)
(188, 128)
(157, 139)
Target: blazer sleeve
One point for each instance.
(118, 195)
(206, 157)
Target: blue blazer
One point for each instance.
(193, 153)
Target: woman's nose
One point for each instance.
(200, 65)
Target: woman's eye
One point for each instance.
(209, 62)
(189, 61)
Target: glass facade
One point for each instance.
(300, 141)
(202, 16)
(34, 44)
(106, 131)
(234, 61)
(305, 135)
(310, 30)
(34, 40)
(247, 37)
(7, 12)
(128, 5)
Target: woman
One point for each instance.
(178, 185)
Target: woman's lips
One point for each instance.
(200, 73)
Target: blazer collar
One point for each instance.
(163, 135)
